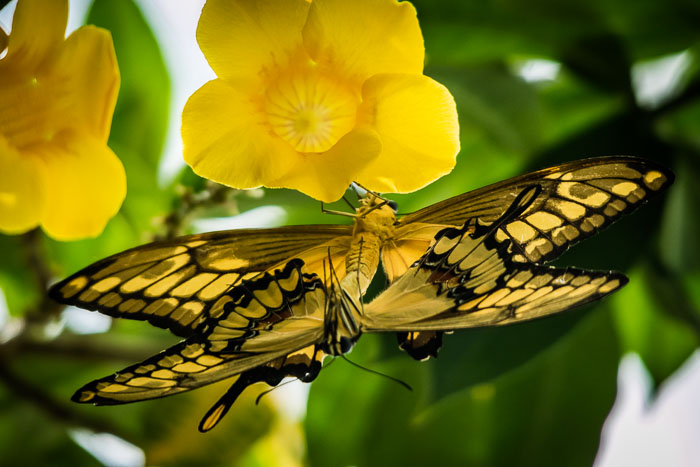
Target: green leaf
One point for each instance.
(513, 419)
(647, 328)
(18, 281)
(472, 32)
(141, 116)
(680, 227)
(493, 103)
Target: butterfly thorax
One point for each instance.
(374, 224)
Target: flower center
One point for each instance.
(310, 111)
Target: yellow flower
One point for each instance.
(314, 95)
(57, 96)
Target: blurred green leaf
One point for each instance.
(18, 282)
(141, 116)
(680, 226)
(171, 427)
(493, 103)
(602, 61)
(572, 106)
(460, 32)
(363, 420)
(644, 327)
(27, 437)
(482, 354)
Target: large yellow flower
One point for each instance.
(314, 95)
(57, 96)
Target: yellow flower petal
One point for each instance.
(326, 176)
(76, 89)
(365, 37)
(21, 190)
(85, 186)
(227, 139)
(90, 90)
(241, 38)
(38, 26)
(416, 120)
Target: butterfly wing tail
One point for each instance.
(304, 364)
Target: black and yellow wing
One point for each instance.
(577, 199)
(468, 278)
(266, 329)
(178, 284)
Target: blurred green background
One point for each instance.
(536, 84)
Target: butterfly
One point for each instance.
(265, 304)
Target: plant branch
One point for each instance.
(36, 260)
(54, 408)
(191, 202)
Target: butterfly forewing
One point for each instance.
(177, 284)
(577, 200)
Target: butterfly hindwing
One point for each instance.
(304, 364)
(177, 284)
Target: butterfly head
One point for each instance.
(375, 213)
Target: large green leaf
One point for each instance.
(645, 326)
(517, 418)
(18, 282)
(141, 115)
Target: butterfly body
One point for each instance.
(262, 305)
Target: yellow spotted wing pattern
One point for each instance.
(576, 200)
(468, 278)
(265, 324)
(178, 284)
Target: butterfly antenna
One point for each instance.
(264, 393)
(357, 278)
(377, 206)
(396, 380)
(333, 274)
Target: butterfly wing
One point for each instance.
(577, 199)
(178, 284)
(263, 332)
(304, 364)
(468, 278)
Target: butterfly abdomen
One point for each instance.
(342, 321)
